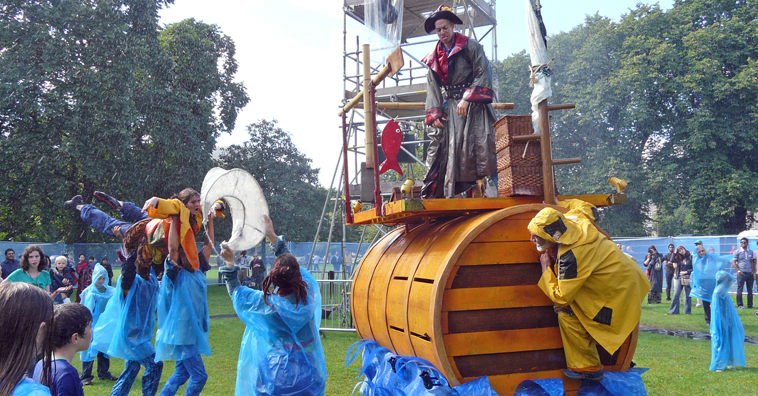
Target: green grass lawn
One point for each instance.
(678, 366)
(225, 338)
(654, 315)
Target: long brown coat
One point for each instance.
(464, 150)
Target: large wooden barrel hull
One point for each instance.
(462, 293)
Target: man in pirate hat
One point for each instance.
(597, 291)
(458, 110)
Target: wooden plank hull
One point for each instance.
(462, 293)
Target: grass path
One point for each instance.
(678, 366)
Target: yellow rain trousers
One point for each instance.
(601, 285)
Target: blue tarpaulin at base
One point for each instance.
(387, 374)
(613, 384)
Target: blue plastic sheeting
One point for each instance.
(387, 374)
(96, 301)
(613, 384)
(727, 333)
(704, 271)
(281, 352)
(27, 387)
(125, 329)
(183, 319)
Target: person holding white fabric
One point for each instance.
(281, 352)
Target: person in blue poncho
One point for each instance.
(703, 280)
(25, 332)
(281, 352)
(125, 329)
(95, 297)
(727, 333)
(183, 318)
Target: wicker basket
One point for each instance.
(519, 165)
(509, 126)
(519, 180)
(520, 154)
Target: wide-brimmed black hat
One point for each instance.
(442, 12)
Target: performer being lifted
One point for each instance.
(125, 328)
(458, 112)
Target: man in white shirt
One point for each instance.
(744, 263)
(243, 262)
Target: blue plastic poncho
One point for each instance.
(96, 301)
(727, 333)
(281, 352)
(27, 387)
(125, 329)
(183, 319)
(613, 384)
(387, 374)
(704, 271)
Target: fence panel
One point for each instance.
(335, 305)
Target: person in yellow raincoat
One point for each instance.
(597, 290)
(184, 207)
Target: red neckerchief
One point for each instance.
(437, 59)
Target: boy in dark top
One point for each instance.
(72, 333)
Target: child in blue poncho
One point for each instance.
(125, 329)
(95, 297)
(727, 333)
(281, 352)
(25, 331)
(183, 318)
(703, 278)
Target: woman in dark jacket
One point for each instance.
(682, 272)
(654, 264)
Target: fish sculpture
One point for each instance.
(392, 137)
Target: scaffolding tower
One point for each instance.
(408, 85)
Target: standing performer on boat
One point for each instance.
(458, 110)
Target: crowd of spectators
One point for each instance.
(675, 267)
(57, 274)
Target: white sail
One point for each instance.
(244, 201)
(538, 55)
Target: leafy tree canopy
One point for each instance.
(666, 100)
(94, 95)
(287, 178)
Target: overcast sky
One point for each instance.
(290, 58)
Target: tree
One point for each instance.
(288, 181)
(90, 99)
(666, 101)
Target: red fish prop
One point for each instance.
(392, 137)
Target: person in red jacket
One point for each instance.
(85, 276)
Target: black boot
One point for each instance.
(72, 203)
(110, 201)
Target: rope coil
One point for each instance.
(537, 70)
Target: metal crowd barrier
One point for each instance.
(335, 304)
